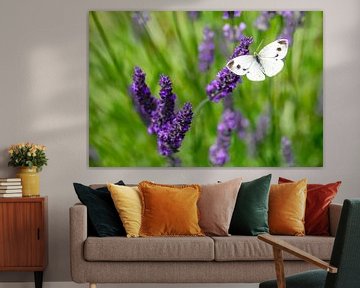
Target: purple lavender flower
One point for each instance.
(206, 50)
(287, 151)
(243, 47)
(262, 128)
(261, 131)
(140, 18)
(231, 121)
(239, 31)
(169, 127)
(228, 32)
(193, 15)
(263, 21)
(292, 19)
(172, 133)
(223, 85)
(219, 152)
(218, 155)
(242, 125)
(145, 103)
(233, 34)
(166, 105)
(226, 81)
(231, 14)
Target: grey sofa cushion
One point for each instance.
(249, 248)
(149, 249)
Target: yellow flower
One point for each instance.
(28, 154)
(40, 147)
(11, 151)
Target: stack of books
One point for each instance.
(10, 187)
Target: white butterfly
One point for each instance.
(268, 62)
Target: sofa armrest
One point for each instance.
(334, 217)
(78, 235)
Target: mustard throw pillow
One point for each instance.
(127, 201)
(287, 204)
(169, 210)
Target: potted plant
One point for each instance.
(30, 158)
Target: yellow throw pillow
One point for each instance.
(127, 201)
(169, 210)
(287, 204)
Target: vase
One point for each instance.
(30, 181)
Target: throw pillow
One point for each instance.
(287, 204)
(216, 206)
(127, 201)
(102, 214)
(319, 197)
(250, 215)
(169, 210)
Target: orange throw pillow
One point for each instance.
(319, 197)
(169, 210)
(287, 204)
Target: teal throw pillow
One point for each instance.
(250, 216)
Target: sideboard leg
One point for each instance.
(38, 279)
(92, 285)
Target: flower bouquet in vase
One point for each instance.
(30, 158)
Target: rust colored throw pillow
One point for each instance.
(169, 210)
(216, 206)
(287, 204)
(319, 197)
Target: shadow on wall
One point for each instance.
(4, 159)
(44, 70)
(45, 62)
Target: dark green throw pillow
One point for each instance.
(103, 219)
(250, 216)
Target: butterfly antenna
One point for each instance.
(257, 49)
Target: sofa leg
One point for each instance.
(92, 285)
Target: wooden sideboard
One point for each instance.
(23, 235)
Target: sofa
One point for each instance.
(233, 259)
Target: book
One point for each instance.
(9, 183)
(10, 187)
(10, 179)
(10, 191)
(4, 195)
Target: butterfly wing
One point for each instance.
(277, 49)
(270, 57)
(240, 65)
(271, 66)
(255, 72)
(267, 62)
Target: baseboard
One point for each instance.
(74, 285)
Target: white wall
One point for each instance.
(43, 88)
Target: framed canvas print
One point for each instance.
(205, 88)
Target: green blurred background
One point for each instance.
(168, 44)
